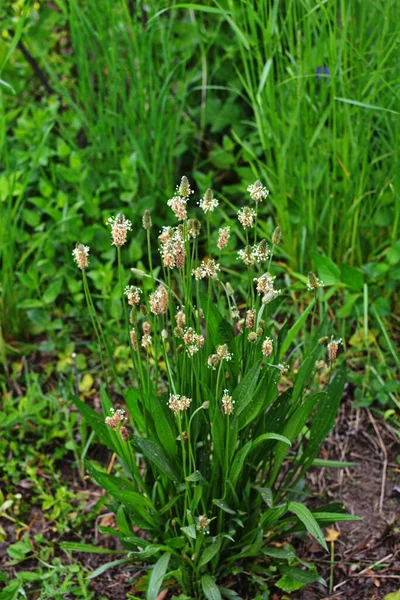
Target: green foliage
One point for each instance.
(100, 109)
(201, 464)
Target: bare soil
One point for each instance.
(370, 490)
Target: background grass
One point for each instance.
(103, 105)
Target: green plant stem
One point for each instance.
(95, 324)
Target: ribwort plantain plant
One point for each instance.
(219, 430)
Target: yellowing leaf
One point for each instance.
(332, 534)
(86, 383)
(393, 596)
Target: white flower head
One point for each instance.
(184, 189)
(267, 347)
(257, 191)
(208, 203)
(208, 268)
(333, 347)
(246, 217)
(133, 294)
(227, 403)
(120, 226)
(313, 283)
(80, 254)
(178, 403)
(178, 205)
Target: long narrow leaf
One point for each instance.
(210, 589)
(157, 576)
(79, 547)
(293, 331)
(96, 422)
(154, 453)
(307, 518)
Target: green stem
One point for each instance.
(95, 324)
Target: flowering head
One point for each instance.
(146, 220)
(133, 294)
(277, 236)
(267, 347)
(146, 326)
(180, 318)
(124, 433)
(333, 347)
(265, 283)
(261, 251)
(227, 403)
(192, 340)
(246, 217)
(223, 237)
(223, 352)
(159, 300)
(183, 189)
(252, 337)
(203, 524)
(250, 318)
(313, 283)
(208, 203)
(178, 205)
(132, 335)
(117, 417)
(146, 341)
(80, 254)
(193, 228)
(178, 403)
(257, 191)
(208, 268)
(120, 226)
(247, 255)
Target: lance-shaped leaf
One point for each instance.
(157, 576)
(291, 430)
(210, 589)
(155, 454)
(244, 391)
(309, 521)
(96, 422)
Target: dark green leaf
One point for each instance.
(154, 453)
(110, 565)
(210, 552)
(190, 531)
(96, 422)
(78, 547)
(294, 331)
(210, 589)
(223, 506)
(245, 390)
(132, 399)
(326, 268)
(307, 518)
(157, 576)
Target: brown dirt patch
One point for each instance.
(370, 490)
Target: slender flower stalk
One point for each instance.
(193, 460)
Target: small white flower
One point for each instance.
(246, 217)
(178, 403)
(257, 191)
(120, 226)
(227, 403)
(80, 254)
(208, 203)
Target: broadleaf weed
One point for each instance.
(219, 429)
